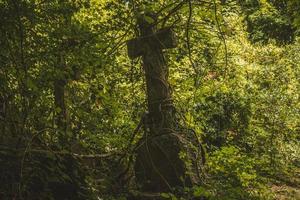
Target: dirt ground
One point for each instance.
(290, 190)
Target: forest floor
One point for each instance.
(289, 189)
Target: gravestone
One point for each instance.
(158, 167)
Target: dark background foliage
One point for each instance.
(235, 79)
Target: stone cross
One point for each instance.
(149, 46)
(158, 167)
(163, 39)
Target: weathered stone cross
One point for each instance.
(150, 45)
(158, 167)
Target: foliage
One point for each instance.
(234, 175)
(46, 176)
(235, 77)
(267, 20)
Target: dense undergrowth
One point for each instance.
(235, 78)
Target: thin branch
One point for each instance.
(174, 10)
(188, 36)
(222, 36)
(90, 156)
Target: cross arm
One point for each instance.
(163, 39)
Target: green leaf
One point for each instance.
(148, 19)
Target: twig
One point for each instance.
(188, 36)
(222, 36)
(92, 156)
